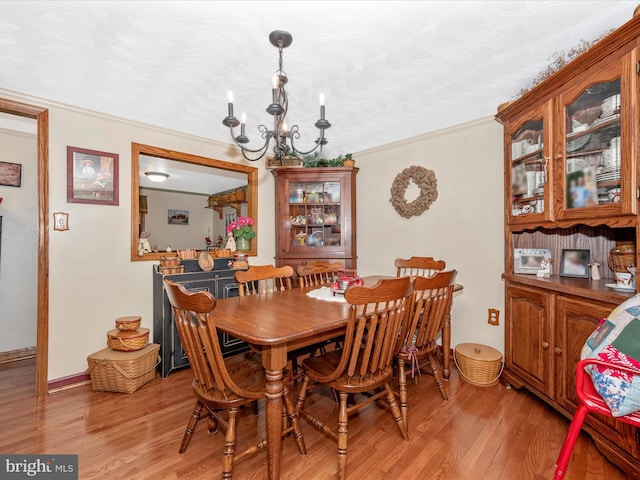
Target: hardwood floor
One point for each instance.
(479, 434)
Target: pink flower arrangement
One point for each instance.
(242, 228)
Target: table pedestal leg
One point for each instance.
(274, 359)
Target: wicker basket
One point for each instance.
(171, 270)
(169, 261)
(128, 340)
(478, 364)
(123, 372)
(222, 252)
(622, 256)
(128, 323)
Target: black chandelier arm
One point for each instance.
(241, 140)
(294, 134)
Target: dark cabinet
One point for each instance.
(220, 282)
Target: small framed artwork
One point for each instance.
(10, 174)
(178, 217)
(575, 263)
(60, 221)
(92, 176)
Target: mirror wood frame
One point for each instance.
(138, 149)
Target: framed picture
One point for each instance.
(575, 263)
(92, 176)
(178, 217)
(10, 174)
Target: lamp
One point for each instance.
(278, 109)
(156, 176)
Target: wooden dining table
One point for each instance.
(277, 323)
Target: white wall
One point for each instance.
(92, 280)
(464, 226)
(19, 252)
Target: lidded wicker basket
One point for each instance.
(478, 364)
(128, 340)
(128, 323)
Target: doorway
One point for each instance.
(41, 115)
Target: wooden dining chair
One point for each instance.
(589, 400)
(261, 279)
(364, 364)
(316, 274)
(220, 384)
(422, 266)
(429, 309)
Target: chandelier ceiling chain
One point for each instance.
(284, 138)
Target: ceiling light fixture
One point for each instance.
(156, 176)
(278, 108)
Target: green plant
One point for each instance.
(323, 162)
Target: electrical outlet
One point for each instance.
(494, 317)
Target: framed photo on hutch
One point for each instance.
(575, 263)
(92, 176)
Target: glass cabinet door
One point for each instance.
(529, 172)
(593, 157)
(594, 178)
(315, 215)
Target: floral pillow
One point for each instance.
(617, 341)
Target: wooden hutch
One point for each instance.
(315, 215)
(578, 126)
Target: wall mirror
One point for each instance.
(186, 208)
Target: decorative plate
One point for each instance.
(622, 288)
(205, 262)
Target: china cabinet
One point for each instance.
(571, 182)
(315, 215)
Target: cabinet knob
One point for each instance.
(545, 345)
(558, 350)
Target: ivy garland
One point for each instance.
(425, 180)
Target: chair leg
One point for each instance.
(395, 412)
(229, 445)
(343, 419)
(302, 393)
(196, 416)
(570, 441)
(292, 416)
(437, 373)
(402, 387)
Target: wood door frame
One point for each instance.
(41, 115)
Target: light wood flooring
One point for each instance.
(480, 433)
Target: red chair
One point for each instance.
(589, 401)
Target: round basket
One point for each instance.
(169, 261)
(622, 256)
(128, 323)
(478, 364)
(128, 340)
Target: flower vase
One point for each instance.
(242, 244)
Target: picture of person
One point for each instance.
(575, 263)
(582, 188)
(87, 169)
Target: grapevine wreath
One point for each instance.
(425, 180)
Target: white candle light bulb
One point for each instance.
(321, 97)
(230, 96)
(243, 118)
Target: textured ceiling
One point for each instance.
(389, 70)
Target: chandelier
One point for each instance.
(284, 138)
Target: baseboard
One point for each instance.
(65, 383)
(16, 355)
